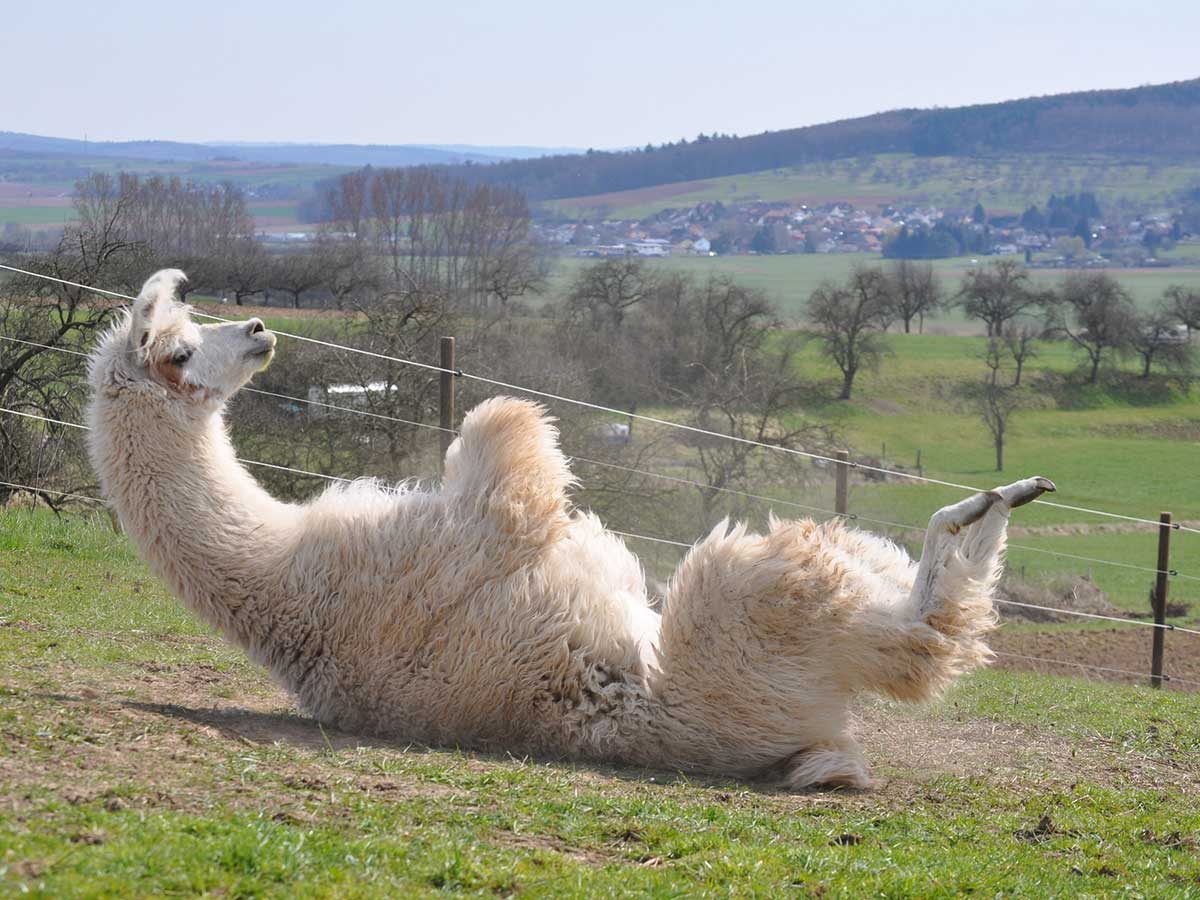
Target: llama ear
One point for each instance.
(150, 310)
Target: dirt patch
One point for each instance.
(1122, 649)
(526, 842)
(909, 750)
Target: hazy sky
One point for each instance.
(604, 73)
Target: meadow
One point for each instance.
(143, 757)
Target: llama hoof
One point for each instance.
(1025, 491)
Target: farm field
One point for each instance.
(790, 279)
(1001, 183)
(161, 762)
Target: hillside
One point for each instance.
(1158, 121)
(295, 153)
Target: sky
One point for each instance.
(566, 74)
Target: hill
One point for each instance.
(1161, 122)
(305, 154)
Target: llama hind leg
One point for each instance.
(961, 556)
(838, 763)
(507, 465)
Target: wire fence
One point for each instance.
(633, 470)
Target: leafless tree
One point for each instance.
(605, 292)
(35, 315)
(245, 270)
(1020, 340)
(1154, 339)
(1184, 304)
(997, 293)
(916, 292)
(1097, 315)
(295, 272)
(848, 319)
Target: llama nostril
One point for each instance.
(256, 327)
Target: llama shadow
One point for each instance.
(267, 728)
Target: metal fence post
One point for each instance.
(446, 397)
(1160, 599)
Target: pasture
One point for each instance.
(143, 757)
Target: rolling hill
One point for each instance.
(1160, 122)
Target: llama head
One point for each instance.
(160, 350)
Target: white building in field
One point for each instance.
(651, 247)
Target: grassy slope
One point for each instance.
(132, 766)
(1000, 183)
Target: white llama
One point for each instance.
(489, 614)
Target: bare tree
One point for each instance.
(1154, 339)
(993, 401)
(1097, 315)
(37, 319)
(848, 319)
(916, 292)
(998, 293)
(295, 273)
(1184, 304)
(607, 291)
(1020, 340)
(245, 270)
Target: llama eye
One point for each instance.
(181, 357)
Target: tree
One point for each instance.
(294, 273)
(1155, 338)
(36, 314)
(994, 402)
(1184, 304)
(978, 216)
(997, 293)
(848, 319)
(916, 292)
(1019, 341)
(607, 291)
(245, 270)
(1097, 315)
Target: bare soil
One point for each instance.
(1120, 647)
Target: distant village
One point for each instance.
(1068, 232)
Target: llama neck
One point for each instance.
(204, 525)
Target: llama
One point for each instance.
(489, 614)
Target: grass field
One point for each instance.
(143, 757)
(790, 279)
(1000, 183)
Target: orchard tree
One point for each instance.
(916, 292)
(849, 318)
(1093, 311)
(997, 293)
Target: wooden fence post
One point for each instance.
(446, 397)
(1160, 599)
(842, 471)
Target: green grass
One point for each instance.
(142, 757)
(1002, 183)
(37, 215)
